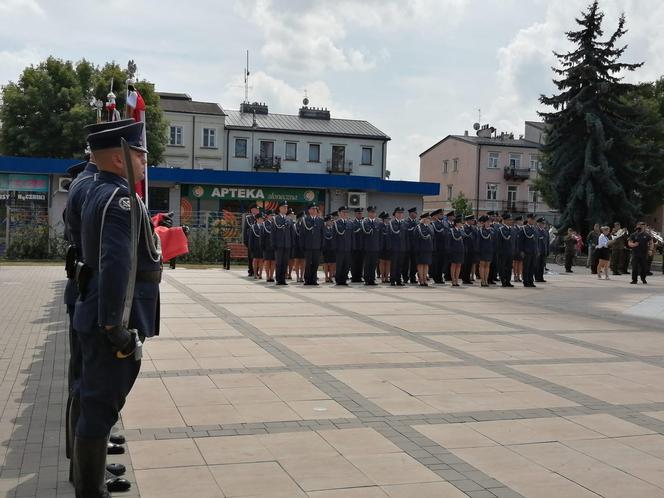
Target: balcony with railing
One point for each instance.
(512, 173)
(515, 206)
(267, 163)
(339, 166)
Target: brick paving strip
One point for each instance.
(33, 390)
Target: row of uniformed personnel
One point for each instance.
(413, 249)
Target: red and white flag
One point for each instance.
(136, 110)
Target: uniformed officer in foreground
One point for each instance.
(83, 174)
(343, 244)
(529, 249)
(111, 359)
(311, 233)
(282, 242)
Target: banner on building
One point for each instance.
(224, 192)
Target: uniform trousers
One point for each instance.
(370, 264)
(250, 261)
(466, 267)
(311, 263)
(529, 269)
(412, 267)
(639, 267)
(281, 265)
(342, 266)
(396, 266)
(438, 266)
(569, 260)
(539, 268)
(105, 384)
(357, 260)
(505, 268)
(73, 378)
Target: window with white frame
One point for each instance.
(493, 159)
(534, 162)
(512, 191)
(175, 137)
(532, 194)
(367, 156)
(314, 153)
(445, 166)
(515, 160)
(210, 138)
(240, 147)
(450, 188)
(291, 151)
(491, 191)
(455, 166)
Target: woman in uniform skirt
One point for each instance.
(256, 235)
(268, 250)
(384, 256)
(603, 252)
(485, 249)
(329, 255)
(456, 251)
(423, 247)
(298, 252)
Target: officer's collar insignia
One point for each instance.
(124, 203)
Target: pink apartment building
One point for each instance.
(496, 172)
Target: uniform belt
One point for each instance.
(153, 277)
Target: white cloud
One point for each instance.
(9, 6)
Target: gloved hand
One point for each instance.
(185, 229)
(167, 220)
(123, 340)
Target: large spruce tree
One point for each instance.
(589, 170)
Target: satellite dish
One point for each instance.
(305, 101)
(476, 126)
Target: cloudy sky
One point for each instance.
(417, 69)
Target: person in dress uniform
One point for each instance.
(343, 245)
(528, 246)
(370, 228)
(640, 242)
(281, 237)
(110, 346)
(312, 243)
(357, 254)
(83, 175)
(457, 250)
(291, 260)
(471, 250)
(410, 264)
(448, 221)
(441, 234)
(249, 220)
(517, 263)
(619, 241)
(543, 249)
(329, 254)
(296, 249)
(255, 244)
(397, 243)
(267, 246)
(495, 221)
(423, 244)
(384, 256)
(505, 248)
(486, 249)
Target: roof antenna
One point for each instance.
(305, 100)
(479, 116)
(246, 80)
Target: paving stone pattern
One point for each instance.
(256, 390)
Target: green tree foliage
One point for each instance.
(461, 205)
(591, 158)
(44, 112)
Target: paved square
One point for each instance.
(254, 390)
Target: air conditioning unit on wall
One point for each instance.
(357, 200)
(63, 184)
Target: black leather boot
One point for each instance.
(90, 468)
(115, 484)
(73, 412)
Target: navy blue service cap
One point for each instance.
(424, 215)
(507, 216)
(483, 218)
(74, 170)
(107, 125)
(383, 215)
(358, 210)
(371, 209)
(470, 217)
(518, 218)
(397, 209)
(312, 205)
(412, 210)
(540, 220)
(530, 215)
(436, 212)
(342, 208)
(450, 214)
(112, 138)
(282, 203)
